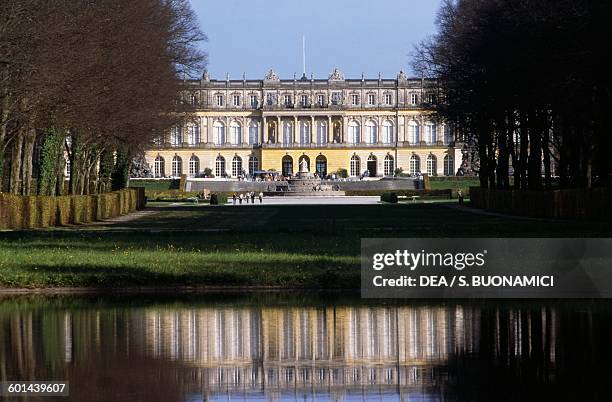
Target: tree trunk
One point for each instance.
(15, 183)
(28, 154)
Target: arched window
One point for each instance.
(220, 167)
(176, 137)
(236, 166)
(177, 166)
(321, 165)
(372, 165)
(430, 133)
(193, 134)
(415, 164)
(355, 166)
(194, 166)
(253, 164)
(389, 165)
(219, 131)
(287, 163)
(253, 133)
(432, 165)
(304, 132)
(446, 132)
(449, 165)
(287, 132)
(236, 133)
(371, 132)
(414, 136)
(159, 169)
(354, 132)
(387, 132)
(321, 132)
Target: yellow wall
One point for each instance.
(336, 158)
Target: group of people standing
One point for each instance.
(246, 196)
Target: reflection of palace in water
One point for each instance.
(275, 351)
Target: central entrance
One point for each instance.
(371, 165)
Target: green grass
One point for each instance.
(287, 246)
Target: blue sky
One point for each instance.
(253, 36)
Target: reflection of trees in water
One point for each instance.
(335, 349)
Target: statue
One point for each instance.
(303, 166)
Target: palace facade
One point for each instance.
(371, 126)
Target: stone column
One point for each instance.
(296, 138)
(264, 131)
(330, 130)
(312, 130)
(245, 131)
(379, 130)
(228, 130)
(279, 132)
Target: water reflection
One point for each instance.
(326, 351)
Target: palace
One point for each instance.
(366, 126)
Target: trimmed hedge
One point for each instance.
(20, 212)
(389, 197)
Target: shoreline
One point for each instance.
(183, 289)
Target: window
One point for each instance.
(446, 132)
(321, 132)
(287, 163)
(271, 99)
(236, 166)
(236, 100)
(253, 100)
(253, 133)
(387, 132)
(414, 98)
(371, 99)
(388, 99)
(236, 133)
(354, 100)
(389, 165)
(355, 166)
(177, 166)
(219, 130)
(354, 132)
(336, 98)
(219, 99)
(304, 100)
(193, 134)
(193, 99)
(432, 165)
(321, 165)
(320, 100)
(371, 132)
(287, 100)
(430, 133)
(449, 165)
(220, 166)
(194, 165)
(176, 136)
(158, 171)
(287, 132)
(413, 132)
(415, 164)
(432, 99)
(253, 164)
(304, 132)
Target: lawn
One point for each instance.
(311, 246)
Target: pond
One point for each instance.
(307, 347)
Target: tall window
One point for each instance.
(194, 165)
(320, 100)
(287, 163)
(371, 99)
(219, 100)
(430, 133)
(193, 134)
(304, 132)
(321, 165)
(446, 132)
(253, 100)
(304, 100)
(321, 132)
(177, 166)
(414, 99)
(449, 165)
(371, 132)
(415, 164)
(253, 164)
(253, 133)
(354, 100)
(336, 98)
(176, 137)
(432, 165)
(389, 165)
(387, 132)
(236, 133)
(219, 130)
(287, 100)
(160, 167)
(355, 165)
(236, 166)
(236, 100)
(287, 132)
(388, 99)
(354, 132)
(414, 136)
(220, 166)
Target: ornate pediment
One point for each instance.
(336, 75)
(271, 77)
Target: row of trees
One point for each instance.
(529, 83)
(90, 80)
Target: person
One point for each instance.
(246, 197)
(252, 197)
(460, 196)
(260, 197)
(234, 198)
(240, 199)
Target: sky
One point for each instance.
(356, 36)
